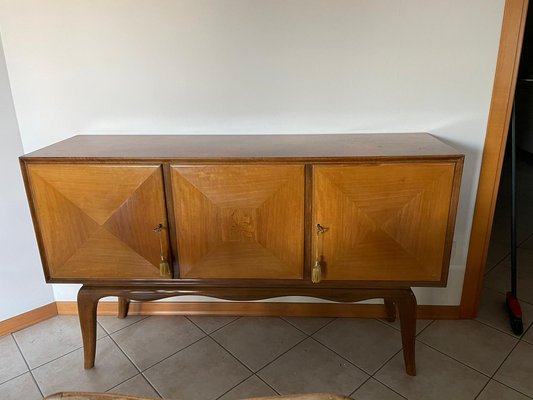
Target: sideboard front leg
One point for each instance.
(407, 313)
(390, 307)
(123, 307)
(87, 305)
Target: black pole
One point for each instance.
(513, 204)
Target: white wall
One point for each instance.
(276, 66)
(22, 286)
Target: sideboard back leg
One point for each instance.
(390, 307)
(407, 313)
(87, 305)
(123, 307)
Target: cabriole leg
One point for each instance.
(407, 313)
(87, 305)
(123, 307)
(390, 307)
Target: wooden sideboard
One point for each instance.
(337, 217)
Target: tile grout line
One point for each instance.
(499, 367)
(512, 388)
(488, 270)
(385, 363)
(233, 387)
(124, 327)
(165, 358)
(497, 291)
(352, 363)
(139, 374)
(452, 358)
(309, 334)
(255, 372)
(58, 357)
(134, 366)
(28, 366)
(285, 352)
(340, 355)
(360, 386)
(219, 328)
(20, 352)
(491, 377)
(379, 382)
(505, 359)
(383, 366)
(501, 330)
(246, 366)
(260, 369)
(268, 384)
(423, 329)
(482, 389)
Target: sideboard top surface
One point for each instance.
(241, 147)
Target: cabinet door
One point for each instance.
(386, 222)
(239, 221)
(97, 221)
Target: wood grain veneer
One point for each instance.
(97, 220)
(244, 147)
(239, 221)
(386, 222)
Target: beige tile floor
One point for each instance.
(234, 358)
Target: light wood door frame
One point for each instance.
(514, 19)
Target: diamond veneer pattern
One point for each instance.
(97, 221)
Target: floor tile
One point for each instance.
(517, 370)
(136, 386)
(312, 368)
(497, 252)
(473, 343)
(12, 363)
(67, 373)
(210, 324)
(203, 371)
(365, 342)
(493, 311)
(112, 324)
(20, 388)
(528, 243)
(51, 339)
(373, 390)
(250, 388)
(438, 377)
(500, 277)
(307, 324)
(528, 336)
(421, 324)
(497, 391)
(155, 338)
(257, 341)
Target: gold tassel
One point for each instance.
(316, 272)
(164, 268)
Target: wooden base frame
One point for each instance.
(260, 309)
(402, 298)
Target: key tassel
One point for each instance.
(316, 272)
(164, 268)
